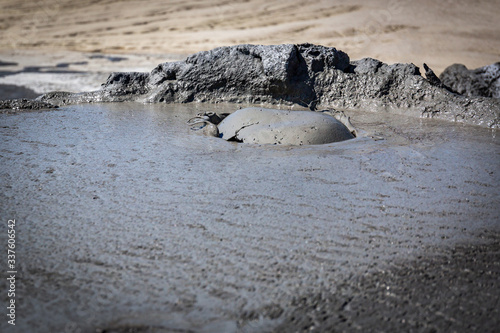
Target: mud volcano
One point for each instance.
(127, 222)
(309, 75)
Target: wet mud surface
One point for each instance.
(13, 92)
(128, 221)
(453, 291)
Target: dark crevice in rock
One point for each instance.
(435, 80)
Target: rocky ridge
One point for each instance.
(12, 105)
(309, 75)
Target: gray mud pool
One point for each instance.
(126, 219)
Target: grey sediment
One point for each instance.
(455, 290)
(450, 290)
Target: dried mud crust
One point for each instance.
(455, 291)
(309, 75)
(16, 105)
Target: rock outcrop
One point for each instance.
(310, 75)
(483, 81)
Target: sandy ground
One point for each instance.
(439, 33)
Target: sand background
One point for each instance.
(439, 33)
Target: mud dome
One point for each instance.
(128, 219)
(273, 126)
